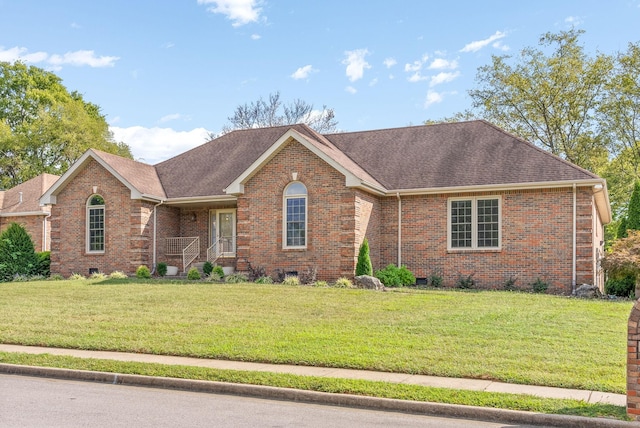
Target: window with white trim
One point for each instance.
(95, 224)
(474, 223)
(295, 215)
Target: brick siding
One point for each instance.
(33, 225)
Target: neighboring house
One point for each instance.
(452, 199)
(21, 204)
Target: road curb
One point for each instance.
(315, 397)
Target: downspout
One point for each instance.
(574, 255)
(155, 232)
(399, 229)
(44, 232)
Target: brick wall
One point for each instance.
(34, 227)
(633, 363)
(536, 239)
(331, 217)
(128, 226)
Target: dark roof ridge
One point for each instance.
(393, 128)
(541, 150)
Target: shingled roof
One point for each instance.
(25, 197)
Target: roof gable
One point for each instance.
(140, 178)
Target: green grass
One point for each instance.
(510, 337)
(331, 385)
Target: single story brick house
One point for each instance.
(21, 204)
(453, 199)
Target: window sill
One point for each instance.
(294, 249)
(473, 250)
(94, 253)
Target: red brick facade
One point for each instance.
(536, 226)
(38, 227)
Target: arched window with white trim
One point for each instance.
(295, 216)
(95, 224)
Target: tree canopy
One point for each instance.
(272, 112)
(44, 127)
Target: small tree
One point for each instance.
(633, 213)
(624, 258)
(17, 253)
(622, 228)
(364, 266)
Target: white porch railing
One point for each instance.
(187, 247)
(224, 246)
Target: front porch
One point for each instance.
(198, 235)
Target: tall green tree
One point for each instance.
(633, 212)
(364, 267)
(43, 126)
(550, 96)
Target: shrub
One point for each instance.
(236, 278)
(207, 268)
(465, 282)
(76, 276)
(343, 282)
(118, 275)
(43, 266)
(193, 274)
(21, 278)
(364, 267)
(143, 272)
(255, 272)
(279, 275)
(510, 284)
(539, 286)
(162, 269)
(97, 275)
(56, 277)
(393, 276)
(622, 287)
(436, 280)
(213, 277)
(308, 276)
(321, 284)
(291, 280)
(17, 253)
(218, 271)
(264, 280)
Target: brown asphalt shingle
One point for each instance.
(141, 175)
(31, 192)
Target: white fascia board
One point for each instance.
(496, 187)
(237, 186)
(24, 214)
(199, 199)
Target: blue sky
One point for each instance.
(167, 72)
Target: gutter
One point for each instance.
(155, 235)
(44, 232)
(574, 250)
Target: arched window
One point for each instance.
(295, 215)
(95, 224)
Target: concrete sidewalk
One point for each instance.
(434, 381)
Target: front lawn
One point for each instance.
(511, 337)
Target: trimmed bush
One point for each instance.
(343, 282)
(621, 287)
(539, 286)
(218, 271)
(436, 280)
(17, 253)
(143, 272)
(393, 276)
(193, 274)
(76, 277)
(44, 263)
(118, 275)
(162, 269)
(364, 266)
(207, 268)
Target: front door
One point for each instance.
(223, 232)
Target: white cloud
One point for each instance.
(573, 21)
(303, 72)
(390, 62)
(256, 37)
(356, 63)
(443, 64)
(443, 77)
(153, 145)
(417, 65)
(77, 58)
(498, 45)
(173, 116)
(417, 77)
(351, 89)
(479, 44)
(373, 82)
(239, 12)
(169, 45)
(433, 98)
